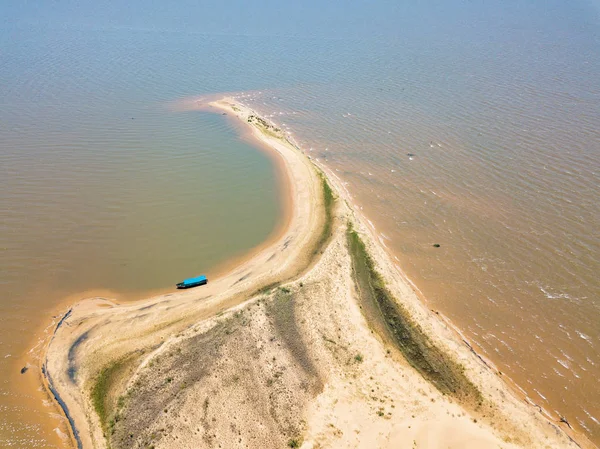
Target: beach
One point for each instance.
(287, 337)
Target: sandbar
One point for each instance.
(315, 340)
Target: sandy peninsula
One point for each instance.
(315, 341)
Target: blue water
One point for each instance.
(499, 102)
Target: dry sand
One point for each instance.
(278, 352)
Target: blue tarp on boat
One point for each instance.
(193, 282)
(196, 280)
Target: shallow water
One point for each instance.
(103, 187)
(499, 166)
(106, 191)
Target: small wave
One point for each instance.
(565, 331)
(550, 295)
(540, 395)
(566, 355)
(506, 345)
(593, 418)
(584, 337)
(582, 424)
(563, 363)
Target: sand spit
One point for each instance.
(312, 342)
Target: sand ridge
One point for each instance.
(278, 352)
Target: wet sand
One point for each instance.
(359, 391)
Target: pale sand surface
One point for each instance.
(227, 366)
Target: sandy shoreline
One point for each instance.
(269, 262)
(338, 409)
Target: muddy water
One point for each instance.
(119, 197)
(498, 104)
(494, 156)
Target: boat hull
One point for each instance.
(181, 285)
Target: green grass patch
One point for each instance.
(266, 127)
(103, 394)
(392, 321)
(267, 289)
(328, 203)
(101, 391)
(295, 442)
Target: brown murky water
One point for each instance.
(511, 196)
(135, 209)
(500, 116)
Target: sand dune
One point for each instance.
(315, 341)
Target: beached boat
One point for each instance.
(193, 282)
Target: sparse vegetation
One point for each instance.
(264, 126)
(266, 289)
(156, 389)
(282, 309)
(100, 392)
(205, 363)
(392, 321)
(328, 203)
(295, 442)
(358, 358)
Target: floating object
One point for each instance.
(193, 282)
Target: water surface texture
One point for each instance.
(472, 126)
(102, 187)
